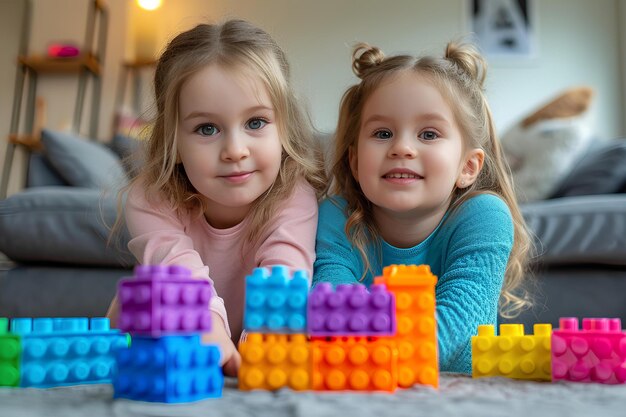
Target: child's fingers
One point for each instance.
(113, 312)
(231, 366)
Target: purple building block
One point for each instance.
(164, 300)
(351, 311)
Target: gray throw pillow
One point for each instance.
(62, 224)
(40, 173)
(83, 163)
(129, 151)
(124, 146)
(601, 171)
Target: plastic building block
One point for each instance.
(273, 361)
(416, 335)
(274, 302)
(351, 311)
(354, 363)
(164, 300)
(512, 354)
(66, 351)
(10, 356)
(597, 353)
(169, 369)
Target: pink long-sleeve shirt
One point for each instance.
(223, 256)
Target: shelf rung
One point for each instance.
(42, 64)
(30, 141)
(140, 63)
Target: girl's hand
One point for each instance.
(114, 312)
(231, 359)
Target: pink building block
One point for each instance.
(351, 311)
(597, 353)
(164, 300)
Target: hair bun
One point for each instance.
(467, 58)
(365, 57)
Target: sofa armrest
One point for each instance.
(579, 230)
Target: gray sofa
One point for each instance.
(55, 233)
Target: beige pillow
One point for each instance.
(542, 148)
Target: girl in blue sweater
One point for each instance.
(419, 178)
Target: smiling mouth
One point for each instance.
(237, 174)
(402, 175)
(237, 177)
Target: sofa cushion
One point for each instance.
(62, 224)
(602, 170)
(81, 162)
(579, 230)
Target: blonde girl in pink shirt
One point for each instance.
(232, 174)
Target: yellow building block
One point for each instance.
(273, 361)
(416, 337)
(512, 354)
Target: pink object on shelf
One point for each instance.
(595, 353)
(62, 50)
(164, 300)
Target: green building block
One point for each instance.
(10, 353)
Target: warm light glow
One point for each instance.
(149, 4)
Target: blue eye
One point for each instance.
(256, 124)
(207, 130)
(429, 135)
(383, 134)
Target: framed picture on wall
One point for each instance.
(504, 28)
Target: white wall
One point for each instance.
(57, 21)
(10, 26)
(66, 20)
(578, 43)
(621, 15)
(10, 31)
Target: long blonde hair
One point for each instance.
(459, 76)
(238, 46)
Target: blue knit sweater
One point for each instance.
(468, 252)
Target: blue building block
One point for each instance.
(169, 369)
(67, 351)
(275, 302)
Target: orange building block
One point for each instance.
(354, 363)
(273, 361)
(416, 338)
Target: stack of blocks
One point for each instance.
(597, 353)
(348, 328)
(166, 310)
(276, 352)
(52, 352)
(416, 338)
(352, 341)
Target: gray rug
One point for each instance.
(457, 396)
